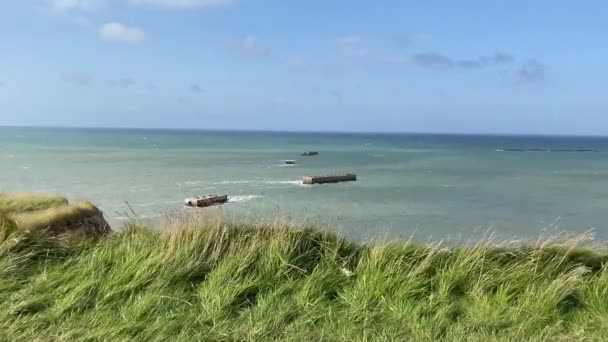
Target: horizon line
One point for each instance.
(183, 129)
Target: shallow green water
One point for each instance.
(431, 185)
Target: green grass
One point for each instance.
(234, 282)
(27, 202)
(62, 213)
(49, 215)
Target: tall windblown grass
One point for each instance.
(28, 202)
(214, 281)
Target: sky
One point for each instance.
(468, 66)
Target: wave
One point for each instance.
(294, 182)
(136, 189)
(242, 198)
(150, 216)
(190, 183)
(151, 204)
(126, 218)
(282, 165)
(287, 182)
(234, 182)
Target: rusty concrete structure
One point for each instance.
(346, 177)
(205, 201)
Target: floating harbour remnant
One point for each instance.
(346, 177)
(548, 150)
(205, 201)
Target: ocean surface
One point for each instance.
(432, 186)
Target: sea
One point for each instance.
(428, 186)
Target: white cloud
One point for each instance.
(63, 6)
(195, 88)
(294, 61)
(349, 40)
(184, 4)
(252, 48)
(125, 82)
(356, 46)
(77, 78)
(531, 72)
(119, 33)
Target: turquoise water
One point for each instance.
(431, 185)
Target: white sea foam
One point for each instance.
(260, 182)
(282, 165)
(294, 182)
(187, 184)
(234, 182)
(149, 216)
(151, 204)
(242, 198)
(136, 189)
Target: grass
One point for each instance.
(61, 213)
(50, 215)
(214, 281)
(27, 202)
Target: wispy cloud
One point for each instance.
(184, 4)
(294, 61)
(77, 78)
(123, 34)
(195, 88)
(337, 95)
(347, 41)
(63, 6)
(531, 72)
(354, 45)
(250, 47)
(357, 46)
(431, 59)
(528, 72)
(184, 100)
(435, 59)
(413, 38)
(125, 82)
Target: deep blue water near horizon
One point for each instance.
(432, 185)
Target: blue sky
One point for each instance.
(332, 65)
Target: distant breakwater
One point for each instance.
(545, 150)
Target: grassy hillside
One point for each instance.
(50, 215)
(226, 282)
(27, 202)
